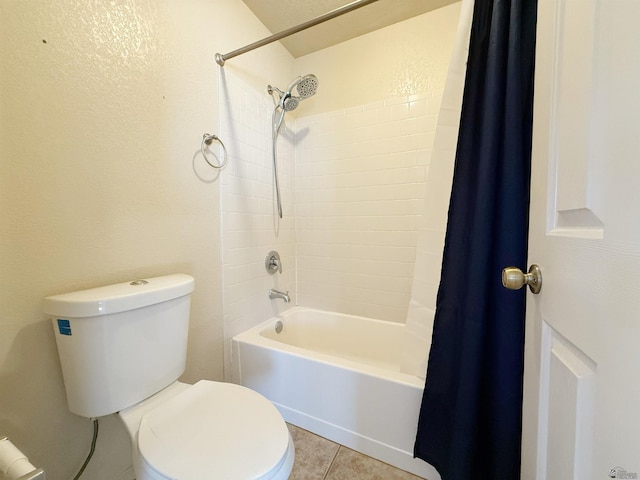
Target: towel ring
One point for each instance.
(206, 140)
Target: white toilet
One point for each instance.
(122, 348)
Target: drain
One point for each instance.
(279, 326)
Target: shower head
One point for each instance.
(305, 87)
(290, 103)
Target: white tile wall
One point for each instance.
(352, 204)
(359, 192)
(249, 228)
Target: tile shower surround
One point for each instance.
(351, 199)
(248, 210)
(360, 186)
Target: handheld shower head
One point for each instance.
(305, 87)
(289, 103)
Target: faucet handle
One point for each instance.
(272, 263)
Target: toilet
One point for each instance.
(122, 348)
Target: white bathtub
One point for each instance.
(338, 376)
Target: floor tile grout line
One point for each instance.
(324, 477)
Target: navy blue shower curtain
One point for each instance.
(471, 415)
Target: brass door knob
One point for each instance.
(514, 279)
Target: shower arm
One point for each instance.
(220, 59)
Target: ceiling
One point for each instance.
(278, 15)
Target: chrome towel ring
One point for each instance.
(206, 140)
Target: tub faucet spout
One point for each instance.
(273, 293)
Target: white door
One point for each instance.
(582, 373)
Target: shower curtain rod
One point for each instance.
(220, 59)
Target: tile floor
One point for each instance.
(320, 459)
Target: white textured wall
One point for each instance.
(102, 108)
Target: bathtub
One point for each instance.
(338, 376)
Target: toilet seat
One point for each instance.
(215, 430)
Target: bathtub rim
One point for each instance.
(253, 336)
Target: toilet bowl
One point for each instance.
(122, 348)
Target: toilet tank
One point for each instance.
(120, 344)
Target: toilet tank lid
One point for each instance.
(119, 297)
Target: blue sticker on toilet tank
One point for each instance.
(64, 327)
